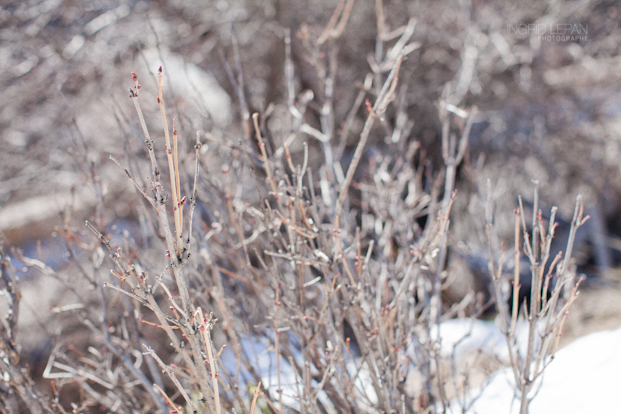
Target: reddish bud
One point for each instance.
(134, 77)
(159, 70)
(183, 200)
(174, 132)
(167, 253)
(158, 100)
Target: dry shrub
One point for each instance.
(298, 260)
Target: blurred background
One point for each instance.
(545, 76)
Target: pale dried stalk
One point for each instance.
(381, 104)
(526, 383)
(138, 187)
(179, 409)
(173, 170)
(171, 375)
(266, 161)
(530, 367)
(516, 275)
(254, 398)
(453, 152)
(180, 201)
(144, 297)
(205, 327)
(277, 349)
(179, 261)
(197, 148)
(343, 10)
(351, 115)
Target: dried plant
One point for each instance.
(285, 284)
(553, 289)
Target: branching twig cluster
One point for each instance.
(553, 289)
(320, 288)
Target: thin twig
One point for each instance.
(171, 375)
(379, 108)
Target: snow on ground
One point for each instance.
(584, 377)
(464, 335)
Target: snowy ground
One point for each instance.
(585, 376)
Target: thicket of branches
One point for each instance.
(299, 261)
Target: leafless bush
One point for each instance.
(553, 289)
(284, 284)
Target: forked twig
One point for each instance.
(171, 375)
(379, 108)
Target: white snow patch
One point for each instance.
(584, 377)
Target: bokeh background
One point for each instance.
(549, 110)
